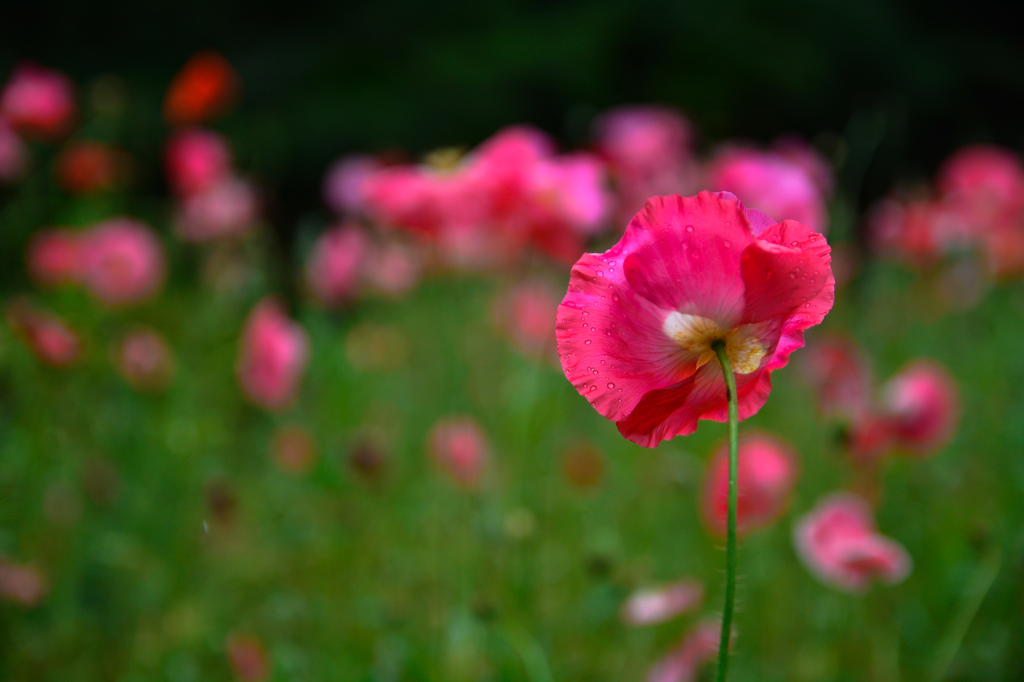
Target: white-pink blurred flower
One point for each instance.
(122, 261)
(838, 542)
(527, 314)
(656, 605)
(22, 584)
(226, 209)
(273, 354)
(38, 101)
(54, 257)
(13, 154)
(766, 472)
(459, 446)
(922, 405)
(343, 187)
(336, 263)
(196, 160)
(47, 336)
(684, 661)
(145, 360)
(769, 182)
(649, 150)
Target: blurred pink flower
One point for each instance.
(656, 605)
(22, 584)
(922, 405)
(145, 360)
(983, 181)
(196, 160)
(205, 87)
(394, 267)
(38, 101)
(13, 154)
(920, 232)
(248, 658)
(683, 663)
(766, 473)
(839, 376)
(54, 257)
(771, 183)
(459, 446)
(838, 543)
(226, 209)
(636, 327)
(335, 264)
(343, 187)
(649, 150)
(527, 314)
(122, 261)
(272, 356)
(47, 336)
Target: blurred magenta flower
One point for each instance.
(248, 658)
(122, 261)
(272, 356)
(144, 359)
(458, 445)
(38, 101)
(196, 160)
(47, 336)
(89, 166)
(22, 584)
(54, 257)
(227, 209)
(649, 151)
(684, 661)
(770, 182)
(659, 604)
(766, 473)
(636, 327)
(838, 543)
(336, 263)
(839, 376)
(527, 314)
(294, 449)
(205, 87)
(922, 405)
(982, 182)
(13, 154)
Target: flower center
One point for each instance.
(695, 334)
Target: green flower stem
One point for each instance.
(730, 537)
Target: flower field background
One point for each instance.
(279, 390)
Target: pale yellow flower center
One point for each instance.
(695, 334)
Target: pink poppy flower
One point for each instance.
(920, 232)
(983, 181)
(335, 264)
(922, 405)
(196, 160)
(145, 360)
(765, 475)
(54, 257)
(273, 355)
(656, 605)
(248, 658)
(636, 326)
(22, 584)
(771, 183)
(38, 101)
(838, 375)
(48, 337)
(13, 154)
(122, 261)
(684, 662)
(649, 151)
(838, 543)
(459, 446)
(226, 209)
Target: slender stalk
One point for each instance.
(730, 537)
(974, 593)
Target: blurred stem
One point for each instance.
(978, 586)
(730, 537)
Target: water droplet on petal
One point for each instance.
(689, 228)
(615, 297)
(792, 275)
(600, 273)
(570, 304)
(593, 388)
(588, 342)
(611, 385)
(728, 244)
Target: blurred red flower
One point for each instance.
(206, 86)
(89, 166)
(47, 336)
